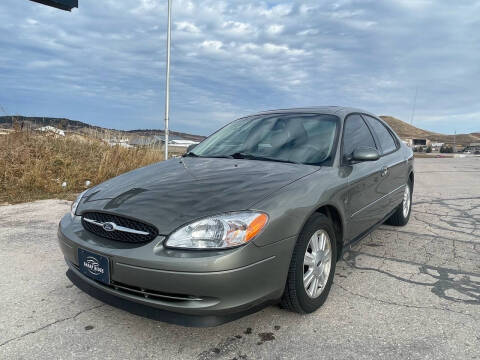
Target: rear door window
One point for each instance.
(356, 135)
(387, 142)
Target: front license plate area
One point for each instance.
(94, 266)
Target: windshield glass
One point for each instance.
(299, 138)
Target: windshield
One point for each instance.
(297, 138)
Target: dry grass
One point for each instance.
(34, 166)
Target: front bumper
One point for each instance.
(213, 284)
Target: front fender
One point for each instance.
(290, 208)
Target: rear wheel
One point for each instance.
(402, 214)
(312, 267)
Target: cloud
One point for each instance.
(104, 63)
(187, 27)
(44, 64)
(237, 28)
(214, 46)
(275, 29)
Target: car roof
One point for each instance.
(340, 111)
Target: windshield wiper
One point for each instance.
(219, 156)
(207, 156)
(242, 155)
(190, 154)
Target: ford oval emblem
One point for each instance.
(109, 226)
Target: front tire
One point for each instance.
(312, 267)
(402, 214)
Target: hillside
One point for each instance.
(7, 122)
(405, 130)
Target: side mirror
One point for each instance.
(190, 147)
(365, 154)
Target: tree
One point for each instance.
(446, 149)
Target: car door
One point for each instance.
(392, 161)
(364, 178)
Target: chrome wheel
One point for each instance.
(317, 263)
(406, 201)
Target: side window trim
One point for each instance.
(377, 141)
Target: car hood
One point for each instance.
(174, 192)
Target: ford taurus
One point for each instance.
(257, 213)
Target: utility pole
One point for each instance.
(167, 82)
(414, 105)
(455, 142)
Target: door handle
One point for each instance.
(384, 171)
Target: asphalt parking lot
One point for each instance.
(401, 293)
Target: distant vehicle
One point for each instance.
(257, 213)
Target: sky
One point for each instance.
(104, 63)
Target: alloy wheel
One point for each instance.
(317, 263)
(406, 201)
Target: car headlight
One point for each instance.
(75, 204)
(219, 232)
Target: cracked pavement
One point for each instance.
(400, 293)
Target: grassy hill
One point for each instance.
(405, 130)
(8, 122)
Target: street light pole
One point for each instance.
(455, 142)
(167, 82)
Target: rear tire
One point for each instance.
(312, 267)
(402, 214)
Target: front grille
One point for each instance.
(118, 235)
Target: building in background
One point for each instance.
(417, 143)
(436, 146)
(51, 130)
(473, 148)
(155, 140)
